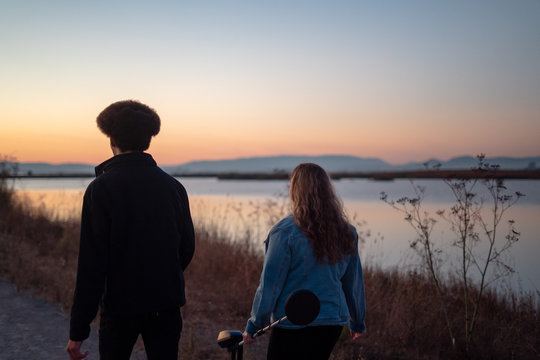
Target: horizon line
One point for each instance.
(288, 155)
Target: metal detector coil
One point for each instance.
(301, 308)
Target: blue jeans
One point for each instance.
(160, 332)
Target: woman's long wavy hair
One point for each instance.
(318, 212)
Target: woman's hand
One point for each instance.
(355, 335)
(248, 339)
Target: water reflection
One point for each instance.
(248, 209)
(57, 204)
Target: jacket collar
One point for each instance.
(137, 158)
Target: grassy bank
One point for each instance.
(404, 315)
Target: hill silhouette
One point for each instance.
(285, 163)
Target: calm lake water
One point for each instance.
(240, 207)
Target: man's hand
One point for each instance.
(74, 350)
(248, 339)
(355, 335)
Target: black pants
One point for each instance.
(312, 342)
(160, 333)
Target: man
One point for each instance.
(136, 241)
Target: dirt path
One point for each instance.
(31, 328)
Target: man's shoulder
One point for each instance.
(169, 178)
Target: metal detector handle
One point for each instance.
(265, 329)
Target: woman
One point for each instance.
(314, 248)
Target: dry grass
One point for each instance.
(405, 321)
(221, 282)
(404, 315)
(38, 253)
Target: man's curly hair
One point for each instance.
(130, 124)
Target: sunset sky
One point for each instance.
(402, 81)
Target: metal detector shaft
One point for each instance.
(265, 329)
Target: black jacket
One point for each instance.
(136, 240)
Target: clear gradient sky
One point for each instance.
(398, 80)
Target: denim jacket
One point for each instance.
(290, 265)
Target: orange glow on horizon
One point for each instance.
(59, 134)
(180, 145)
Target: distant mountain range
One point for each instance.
(285, 163)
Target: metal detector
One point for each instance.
(301, 308)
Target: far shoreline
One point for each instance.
(533, 174)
